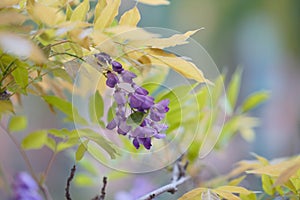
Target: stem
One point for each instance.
(66, 53)
(28, 164)
(50, 163)
(172, 188)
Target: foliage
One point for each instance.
(44, 45)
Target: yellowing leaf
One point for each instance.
(21, 47)
(80, 12)
(236, 181)
(107, 15)
(11, 17)
(17, 123)
(275, 169)
(177, 39)
(226, 195)
(286, 174)
(131, 17)
(7, 3)
(99, 8)
(209, 195)
(234, 189)
(5, 107)
(194, 194)
(154, 2)
(130, 33)
(35, 140)
(185, 68)
(45, 14)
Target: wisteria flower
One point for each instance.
(25, 188)
(136, 115)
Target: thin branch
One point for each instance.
(49, 165)
(103, 193)
(178, 177)
(171, 188)
(28, 164)
(67, 189)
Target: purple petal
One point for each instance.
(136, 143)
(162, 106)
(156, 116)
(111, 125)
(120, 97)
(103, 57)
(146, 142)
(112, 80)
(160, 135)
(127, 76)
(139, 90)
(123, 128)
(117, 67)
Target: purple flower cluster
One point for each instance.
(137, 115)
(25, 188)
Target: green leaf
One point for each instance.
(84, 180)
(99, 140)
(96, 107)
(6, 107)
(60, 104)
(35, 140)
(234, 88)
(135, 119)
(17, 123)
(71, 142)
(80, 12)
(111, 112)
(267, 185)
(61, 73)
(254, 100)
(82, 148)
(20, 75)
(51, 144)
(66, 107)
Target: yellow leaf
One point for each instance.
(261, 159)
(185, 68)
(234, 189)
(236, 181)
(130, 33)
(21, 47)
(193, 194)
(8, 3)
(99, 8)
(80, 12)
(177, 39)
(131, 17)
(11, 17)
(45, 14)
(244, 166)
(226, 195)
(154, 2)
(107, 15)
(275, 169)
(286, 174)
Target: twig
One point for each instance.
(102, 196)
(178, 178)
(67, 189)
